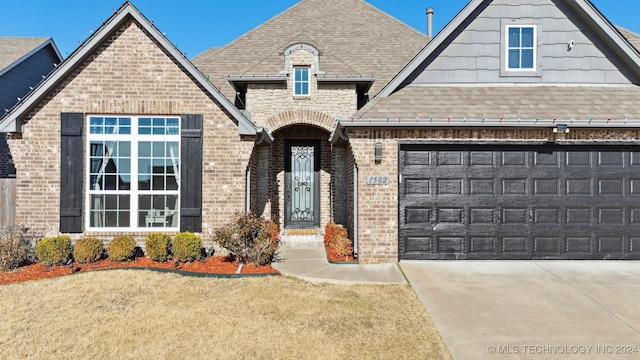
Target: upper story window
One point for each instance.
(521, 48)
(301, 80)
(133, 172)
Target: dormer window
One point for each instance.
(521, 48)
(301, 80)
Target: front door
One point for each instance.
(302, 183)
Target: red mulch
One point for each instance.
(333, 256)
(210, 265)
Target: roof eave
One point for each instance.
(389, 123)
(240, 82)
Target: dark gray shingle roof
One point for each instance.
(354, 38)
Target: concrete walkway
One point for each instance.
(304, 257)
(532, 309)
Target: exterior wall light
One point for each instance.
(561, 129)
(378, 153)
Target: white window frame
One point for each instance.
(507, 48)
(297, 80)
(134, 138)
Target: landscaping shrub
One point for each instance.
(250, 239)
(187, 247)
(55, 250)
(16, 247)
(122, 248)
(337, 238)
(88, 250)
(158, 246)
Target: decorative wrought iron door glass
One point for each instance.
(302, 169)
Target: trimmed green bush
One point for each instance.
(121, 248)
(187, 247)
(88, 250)
(158, 246)
(16, 247)
(55, 250)
(250, 239)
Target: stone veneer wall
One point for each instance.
(128, 75)
(264, 101)
(378, 205)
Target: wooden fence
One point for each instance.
(7, 202)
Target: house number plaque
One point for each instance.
(378, 180)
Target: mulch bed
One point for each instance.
(335, 258)
(218, 265)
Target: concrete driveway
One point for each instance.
(532, 309)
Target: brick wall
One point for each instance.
(378, 205)
(129, 75)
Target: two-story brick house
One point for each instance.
(512, 134)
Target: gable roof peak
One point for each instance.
(13, 120)
(597, 22)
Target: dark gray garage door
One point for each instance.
(519, 202)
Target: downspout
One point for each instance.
(247, 201)
(355, 210)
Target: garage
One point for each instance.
(460, 201)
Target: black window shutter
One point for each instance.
(71, 165)
(191, 173)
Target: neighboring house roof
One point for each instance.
(353, 38)
(13, 120)
(525, 104)
(14, 50)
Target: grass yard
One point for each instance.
(127, 314)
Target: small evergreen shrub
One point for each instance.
(88, 250)
(187, 247)
(121, 248)
(55, 250)
(16, 247)
(250, 239)
(158, 246)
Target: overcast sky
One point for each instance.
(195, 25)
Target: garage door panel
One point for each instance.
(484, 159)
(576, 244)
(449, 158)
(515, 158)
(509, 202)
(547, 245)
(546, 160)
